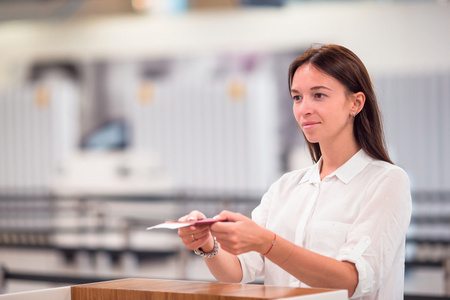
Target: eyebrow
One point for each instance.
(320, 87)
(313, 88)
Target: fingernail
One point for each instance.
(191, 219)
(216, 217)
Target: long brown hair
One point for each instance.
(343, 65)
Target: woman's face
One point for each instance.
(321, 106)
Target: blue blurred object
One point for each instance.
(113, 135)
(179, 6)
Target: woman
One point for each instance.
(340, 223)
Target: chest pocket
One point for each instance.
(327, 237)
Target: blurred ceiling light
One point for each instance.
(141, 5)
(159, 6)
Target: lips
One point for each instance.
(308, 125)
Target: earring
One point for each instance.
(354, 115)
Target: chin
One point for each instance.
(310, 139)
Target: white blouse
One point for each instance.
(359, 213)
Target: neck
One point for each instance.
(334, 157)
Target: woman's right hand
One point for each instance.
(196, 236)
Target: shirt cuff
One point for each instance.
(365, 272)
(252, 265)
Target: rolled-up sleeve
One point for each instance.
(366, 280)
(252, 266)
(376, 240)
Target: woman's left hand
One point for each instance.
(240, 234)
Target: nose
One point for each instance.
(303, 108)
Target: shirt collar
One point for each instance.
(345, 173)
(313, 174)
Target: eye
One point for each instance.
(319, 95)
(296, 98)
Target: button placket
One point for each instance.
(305, 219)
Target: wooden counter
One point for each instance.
(143, 289)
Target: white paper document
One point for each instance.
(179, 224)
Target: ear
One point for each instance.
(358, 101)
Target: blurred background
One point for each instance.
(117, 115)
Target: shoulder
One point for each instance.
(388, 170)
(386, 180)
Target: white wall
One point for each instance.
(388, 36)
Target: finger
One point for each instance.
(230, 216)
(220, 217)
(199, 234)
(184, 231)
(192, 216)
(222, 237)
(227, 228)
(197, 215)
(187, 235)
(228, 244)
(183, 218)
(194, 241)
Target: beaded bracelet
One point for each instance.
(211, 254)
